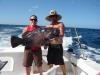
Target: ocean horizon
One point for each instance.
(46, 24)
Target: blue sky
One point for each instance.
(79, 13)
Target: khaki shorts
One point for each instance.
(29, 56)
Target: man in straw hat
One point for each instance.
(55, 49)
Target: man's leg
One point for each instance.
(63, 68)
(98, 73)
(40, 70)
(27, 62)
(38, 60)
(50, 65)
(28, 70)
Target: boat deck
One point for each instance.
(74, 66)
(15, 67)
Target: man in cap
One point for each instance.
(34, 52)
(55, 49)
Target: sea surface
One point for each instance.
(89, 37)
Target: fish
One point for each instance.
(35, 38)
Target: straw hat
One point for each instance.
(53, 13)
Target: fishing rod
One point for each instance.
(78, 39)
(82, 50)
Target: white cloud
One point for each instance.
(33, 8)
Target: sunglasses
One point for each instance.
(33, 19)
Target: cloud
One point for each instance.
(33, 8)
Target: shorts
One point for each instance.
(55, 54)
(29, 56)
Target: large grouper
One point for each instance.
(36, 38)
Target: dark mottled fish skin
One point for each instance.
(35, 38)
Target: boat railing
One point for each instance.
(82, 50)
(77, 48)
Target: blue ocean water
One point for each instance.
(90, 37)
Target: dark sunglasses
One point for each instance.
(33, 19)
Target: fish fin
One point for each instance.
(15, 41)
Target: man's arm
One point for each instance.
(61, 29)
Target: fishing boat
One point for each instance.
(76, 60)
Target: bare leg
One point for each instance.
(50, 65)
(63, 68)
(40, 70)
(98, 73)
(28, 70)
